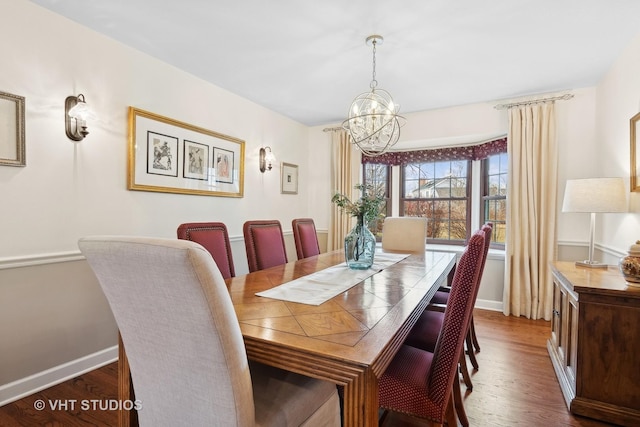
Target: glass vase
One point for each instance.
(359, 246)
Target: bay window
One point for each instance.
(437, 184)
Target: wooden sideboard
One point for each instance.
(595, 342)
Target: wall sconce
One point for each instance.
(76, 112)
(266, 159)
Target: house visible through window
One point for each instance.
(437, 184)
(438, 191)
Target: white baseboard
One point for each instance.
(486, 304)
(34, 383)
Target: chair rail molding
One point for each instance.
(39, 259)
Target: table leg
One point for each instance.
(361, 401)
(126, 418)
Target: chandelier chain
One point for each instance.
(374, 82)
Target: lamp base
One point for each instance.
(591, 264)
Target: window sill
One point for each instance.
(497, 254)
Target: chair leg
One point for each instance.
(450, 414)
(470, 352)
(457, 402)
(474, 338)
(465, 372)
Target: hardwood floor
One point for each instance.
(515, 386)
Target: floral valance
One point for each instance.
(470, 152)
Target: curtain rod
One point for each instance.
(564, 97)
(332, 129)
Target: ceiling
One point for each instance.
(308, 59)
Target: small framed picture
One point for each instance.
(224, 165)
(635, 152)
(196, 160)
(12, 124)
(162, 152)
(289, 178)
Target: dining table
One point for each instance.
(349, 339)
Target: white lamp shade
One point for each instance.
(80, 111)
(595, 195)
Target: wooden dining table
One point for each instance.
(348, 340)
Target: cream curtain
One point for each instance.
(531, 211)
(344, 175)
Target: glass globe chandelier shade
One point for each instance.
(373, 123)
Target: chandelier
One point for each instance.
(374, 123)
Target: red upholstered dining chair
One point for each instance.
(426, 331)
(442, 296)
(306, 238)
(264, 243)
(423, 383)
(215, 239)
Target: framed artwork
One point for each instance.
(162, 154)
(289, 178)
(169, 156)
(224, 164)
(196, 160)
(12, 141)
(635, 152)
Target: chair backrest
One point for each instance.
(183, 340)
(215, 238)
(264, 242)
(404, 233)
(306, 238)
(456, 319)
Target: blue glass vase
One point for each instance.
(359, 246)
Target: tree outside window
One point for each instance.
(378, 176)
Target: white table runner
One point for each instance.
(321, 286)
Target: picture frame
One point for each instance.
(634, 133)
(12, 126)
(289, 178)
(224, 161)
(196, 160)
(170, 156)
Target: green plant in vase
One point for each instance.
(360, 243)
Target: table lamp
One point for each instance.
(594, 195)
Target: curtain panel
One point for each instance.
(470, 152)
(344, 175)
(531, 211)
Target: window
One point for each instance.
(494, 196)
(379, 177)
(438, 191)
